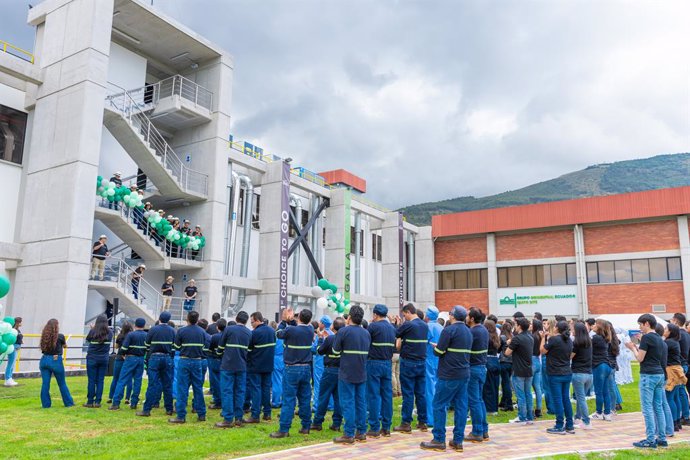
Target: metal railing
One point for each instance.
(178, 85)
(67, 361)
(187, 179)
(15, 51)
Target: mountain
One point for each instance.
(661, 171)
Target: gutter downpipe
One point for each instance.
(231, 235)
(246, 238)
(297, 203)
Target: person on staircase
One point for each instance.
(190, 294)
(167, 290)
(137, 275)
(98, 254)
(116, 179)
(197, 233)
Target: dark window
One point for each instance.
(502, 277)
(674, 270)
(658, 270)
(379, 248)
(558, 275)
(446, 280)
(373, 246)
(607, 274)
(592, 273)
(484, 278)
(461, 279)
(514, 277)
(474, 279)
(305, 219)
(12, 132)
(256, 212)
(352, 240)
(623, 271)
(571, 273)
(640, 270)
(240, 207)
(529, 275)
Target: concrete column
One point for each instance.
(334, 271)
(492, 273)
(425, 273)
(391, 263)
(684, 239)
(61, 164)
(581, 270)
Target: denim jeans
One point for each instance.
(232, 388)
(159, 372)
(669, 418)
(380, 394)
(117, 370)
(506, 387)
(412, 384)
(214, 380)
(327, 390)
(652, 405)
(616, 397)
(580, 384)
(95, 371)
(537, 381)
(430, 385)
(523, 393)
(189, 305)
(601, 375)
(189, 374)
(673, 404)
(49, 367)
(11, 358)
(132, 370)
(316, 372)
(683, 395)
(296, 388)
(277, 381)
(135, 289)
(450, 392)
(545, 387)
(476, 402)
(560, 400)
(259, 385)
(174, 373)
(490, 390)
(354, 406)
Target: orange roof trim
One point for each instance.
(340, 176)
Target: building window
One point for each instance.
(674, 270)
(463, 279)
(634, 271)
(640, 270)
(256, 212)
(353, 237)
(623, 271)
(592, 273)
(537, 275)
(12, 132)
(378, 251)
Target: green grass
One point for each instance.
(32, 432)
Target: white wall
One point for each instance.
(10, 173)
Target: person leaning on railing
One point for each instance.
(167, 290)
(137, 275)
(52, 345)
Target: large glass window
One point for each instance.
(640, 270)
(558, 277)
(592, 273)
(463, 279)
(12, 132)
(674, 271)
(623, 271)
(537, 275)
(607, 273)
(637, 271)
(658, 270)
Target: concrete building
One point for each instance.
(115, 86)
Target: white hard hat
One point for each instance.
(102, 236)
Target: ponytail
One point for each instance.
(564, 330)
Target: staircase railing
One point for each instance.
(132, 111)
(178, 85)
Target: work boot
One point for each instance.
(143, 414)
(386, 433)
(193, 411)
(433, 445)
(168, 412)
(96, 405)
(316, 428)
(110, 401)
(474, 438)
(421, 426)
(133, 406)
(213, 406)
(224, 424)
(113, 407)
(239, 423)
(537, 413)
(361, 437)
(373, 434)
(685, 422)
(176, 420)
(279, 435)
(334, 428)
(456, 446)
(304, 431)
(201, 418)
(267, 418)
(485, 436)
(344, 440)
(403, 428)
(251, 420)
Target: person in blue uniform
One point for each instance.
(233, 370)
(214, 362)
(480, 347)
(379, 373)
(277, 375)
(97, 356)
(324, 325)
(190, 341)
(260, 367)
(134, 349)
(453, 378)
(413, 335)
(328, 390)
(159, 342)
(431, 319)
(352, 343)
(297, 376)
(127, 327)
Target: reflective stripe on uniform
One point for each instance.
(376, 344)
(355, 352)
(161, 343)
(264, 345)
(416, 340)
(334, 356)
(193, 345)
(236, 345)
(300, 347)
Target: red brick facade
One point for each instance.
(445, 300)
(461, 251)
(541, 245)
(635, 237)
(635, 298)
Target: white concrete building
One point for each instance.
(114, 85)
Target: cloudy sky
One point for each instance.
(435, 99)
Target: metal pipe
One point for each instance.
(246, 237)
(231, 227)
(410, 267)
(297, 203)
(358, 248)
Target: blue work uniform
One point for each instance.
(379, 375)
(134, 350)
(262, 347)
(234, 345)
(297, 375)
(317, 370)
(453, 349)
(190, 341)
(277, 375)
(431, 368)
(352, 343)
(214, 369)
(480, 348)
(97, 357)
(329, 384)
(414, 335)
(159, 341)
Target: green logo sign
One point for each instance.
(509, 301)
(516, 300)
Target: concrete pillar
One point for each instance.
(492, 272)
(392, 263)
(336, 255)
(425, 273)
(62, 164)
(684, 239)
(581, 270)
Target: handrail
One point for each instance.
(64, 351)
(177, 85)
(20, 53)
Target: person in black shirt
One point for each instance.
(98, 254)
(159, 343)
(167, 290)
(379, 373)
(493, 368)
(520, 347)
(684, 342)
(52, 345)
(329, 379)
(117, 180)
(233, 346)
(558, 349)
(260, 359)
(97, 356)
(213, 327)
(214, 362)
(190, 341)
(190, 293)
(675, 376)
(602, 371)
(581, 366)
(137, 275)
(134, 349)
(119, 361)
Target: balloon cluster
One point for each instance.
(327, 296)
(8, 335)
(176, 237)
(114, 194)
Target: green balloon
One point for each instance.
(3, 347)
(324, 284)
(333, 288)
(9, 339)
(339, 308)
(10, 320)
(4, 287)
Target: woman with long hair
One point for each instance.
(119, 361)
(537, 329)
(52, 345)
(506, 367)
(558, 348)
(612, 355)
(581, 365)
(493, 369)
(601, 370)
(675, 376)
(97, 354)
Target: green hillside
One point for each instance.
(661, 171)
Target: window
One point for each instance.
(514, 277)
(634, 271)
(558, 275)
(460, 279)
(640, 270)
(571, 273)
(607, 273)
(379, 248)
(537, 275)
(658, 270)
(502, 277)
(592, 273)
(463, 279)
(12, 131)
(529, 276)
(255, 213)
(373, 246)
(674, 270)
(623, 270)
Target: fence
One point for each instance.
(15, 51)
(69, 362)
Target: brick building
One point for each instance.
(624, 253)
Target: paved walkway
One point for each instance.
(507, 442)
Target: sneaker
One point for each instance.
(644, 444)
(555, 430)
(608, 418)
(10, 383)
(587, 426)
(516, 420)
(529, 422)
(660, 443)
(596, 416)
(570, 430)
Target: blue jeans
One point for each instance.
(260, 388)
(450, 392)
(189, 374)
(545, 387)
(296, 388)
(232, 388)
(430, 385)
(652, 405)
(537, 380)
(214, 380)
(506, 387)
(277, 382)
(189, 304)
(616, 397)
(523, 393)
(580, 384)
(159, 372)
(132, 370)
(669, 418)
(174, 372)
(117, 370)
(601, 375)
(317, 372)
(11, 358)
(412, 384)
(673, 404)
(50, 367)
(493, 378)
(560, 400)
(476, 402)
(95, 371)
(683, 395)
(327, 389)
(354, 406)
(380, 394)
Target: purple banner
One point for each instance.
(401, 270)
(284, 235)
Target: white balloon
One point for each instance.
(331, 304)
(321, 302)
(339, 296)
(2, 307)
(317, 292)
(328, 293)
(5, 327)
(10, 349)
(111, 184)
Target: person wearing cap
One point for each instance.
(167, 290)
(186, 229)
(413, 335)
(328, 388)
(317, 368)
(214, 362)
(190, 293)
(117, 180)
(99, 252)
(196, 233)
(453, 377)
(260, 367)
(233, 346)
(480, 348)
(379, 373)
(134, 350)
(431, 319)
(137, 275)
(159, 343)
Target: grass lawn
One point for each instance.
(32, 432)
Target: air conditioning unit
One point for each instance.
(659, 308)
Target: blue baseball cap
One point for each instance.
(140, 322)
(164, 317)
(380, 310)
(326, 320)
(459, 312)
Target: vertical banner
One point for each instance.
(284, 235)
(401, 270)
(347, 202)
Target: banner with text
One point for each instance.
(284, 235)
(401, 269)
(547, 300)
(347, 201)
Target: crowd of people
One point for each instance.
(471, 364)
